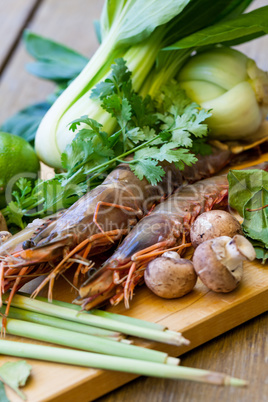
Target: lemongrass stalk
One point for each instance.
(20, 314)
(85, 342)
(87, 359)
(105, 314)
(169, 337)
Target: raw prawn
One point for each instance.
(83, 231)
(166, 228)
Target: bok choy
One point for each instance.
(229, 84)
(137, 31)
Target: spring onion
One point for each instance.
(87, 359)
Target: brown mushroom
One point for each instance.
(170, 276)
(213, 224)
(219, 262)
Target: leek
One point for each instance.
(229, 84)
(87, 359)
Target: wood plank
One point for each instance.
(14, 14)
(69, 22)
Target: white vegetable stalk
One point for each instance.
(53, 133)
(230, 84)
(87, 359)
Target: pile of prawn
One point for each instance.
(103, 217)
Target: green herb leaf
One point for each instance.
(148, 168)
(255, 223)
(242, 186)
(15, 374)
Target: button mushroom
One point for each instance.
(219, 262)
(170, 276)
(213, 224)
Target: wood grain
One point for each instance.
(14, 15)
(64, 21)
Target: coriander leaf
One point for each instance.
(149, 169)
(169, 153)
(15, 374)
(146, 152)
(243, 184)
(95, 126)
(255, 223)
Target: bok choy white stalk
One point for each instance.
(229, 84)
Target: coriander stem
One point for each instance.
(122, 156)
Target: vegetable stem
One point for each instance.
(84, 341)
(105, 314)
(87, 359)
(172, 338)
(37, 318)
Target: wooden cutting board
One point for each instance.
(200, 316)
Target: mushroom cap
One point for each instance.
(214, 223)
(170, 276)
(212, 272)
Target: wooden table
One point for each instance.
(242, 352)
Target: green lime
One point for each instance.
(17, 159)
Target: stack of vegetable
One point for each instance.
(40, 320)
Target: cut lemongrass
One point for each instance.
(85, 342)
(106, 314)
(38, 318)
(169, 337)
(87, 359)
